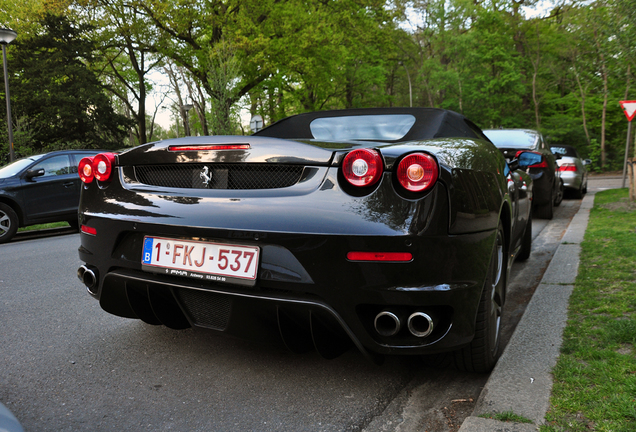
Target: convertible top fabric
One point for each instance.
(429, 123)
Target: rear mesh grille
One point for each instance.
(219, 176)
(206, 309)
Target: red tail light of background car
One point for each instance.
(98, 167)
(567, 167)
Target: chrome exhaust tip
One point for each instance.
(80, 273)
(387, 323)
(420, 324)
(88, 276)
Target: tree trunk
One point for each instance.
(578, 81)
(605, 95)
(535, 66)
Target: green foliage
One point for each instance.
(56, 98)
(595, 377)
(562, 73)
(595, 155)
(225, 70)
(325, 55)
(22, 139)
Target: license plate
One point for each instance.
(216, 262)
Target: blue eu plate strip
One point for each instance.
(147, 252)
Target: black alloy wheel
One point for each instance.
(483, 352)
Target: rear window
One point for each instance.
(389, 127)
(564, 151)
(512, 138)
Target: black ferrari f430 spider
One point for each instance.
(392, 230)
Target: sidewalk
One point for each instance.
(521, 382)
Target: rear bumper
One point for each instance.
(571, 180)
(304, 283)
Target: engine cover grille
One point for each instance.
(219, 176)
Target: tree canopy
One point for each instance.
(561, 71)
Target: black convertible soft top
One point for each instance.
(428, 123)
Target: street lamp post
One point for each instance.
(6, 37)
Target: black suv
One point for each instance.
(40, 189)
(548, 185)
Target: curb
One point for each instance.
(521, 382)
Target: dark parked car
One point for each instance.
(573, 169)
(392, 230)
(548, 186)
(40, 189)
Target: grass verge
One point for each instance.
(595, 376)
(507, 416)
(43, 226)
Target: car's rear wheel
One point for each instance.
(8, 223)
(581, 190)
(559, 195)
(483, 352)
(526, 243)
(545, 211)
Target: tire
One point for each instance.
(8, 223)
(483, 352)
(526, 243)
(578, 193)
(559, 195)
(545, 211)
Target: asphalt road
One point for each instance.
(65, 365)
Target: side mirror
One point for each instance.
(526, 159)
(587, 162)
(34, 173)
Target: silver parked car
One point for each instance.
(573, 169)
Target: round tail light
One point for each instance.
(103, 165)
(417, 172)
(362, 167)
(85, 169)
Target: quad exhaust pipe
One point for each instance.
(388, 323)
(88, 276)
(420, 324)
